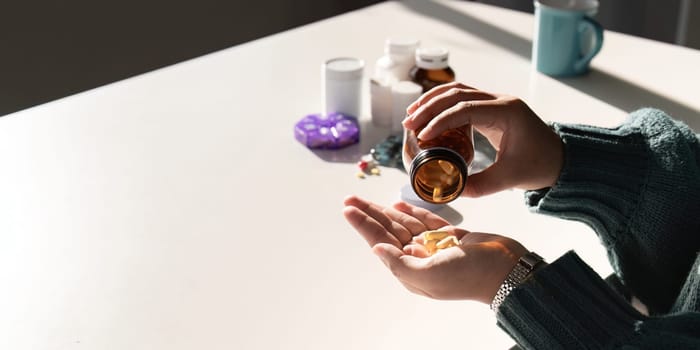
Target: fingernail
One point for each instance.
(411, 108)
(378, 250)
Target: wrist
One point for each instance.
(499, 269)
(552, 161)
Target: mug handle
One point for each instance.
(590, 23)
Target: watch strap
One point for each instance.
(520, 272)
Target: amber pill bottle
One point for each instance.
(438, 168)
(432, 68)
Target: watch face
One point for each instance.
(530, 259)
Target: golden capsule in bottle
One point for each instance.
(442, 163)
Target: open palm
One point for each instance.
(474, 270)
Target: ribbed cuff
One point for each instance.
(566, 305)
(600, 181)
(637, 187)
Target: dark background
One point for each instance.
(51, 49)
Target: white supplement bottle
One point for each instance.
(403, 93)
(342, 86)
(394, 66)
(398, 60)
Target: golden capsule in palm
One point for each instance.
(434, 235)
(447, 242)
(431, 246)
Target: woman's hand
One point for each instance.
(530, 155)
(474, 270)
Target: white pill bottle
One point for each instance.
(397, 61)
(394, 66)
(342, 85)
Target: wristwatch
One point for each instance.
(520, 272)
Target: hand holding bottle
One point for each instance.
(529, 154)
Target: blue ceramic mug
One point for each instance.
(566, 38)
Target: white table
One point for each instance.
(175, 210)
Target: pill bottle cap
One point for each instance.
(401, 46)
(343, 68)
(432, 58)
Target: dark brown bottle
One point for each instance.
(432, 68)
(438, 168)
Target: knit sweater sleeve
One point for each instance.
(566, 305)
(638, 187)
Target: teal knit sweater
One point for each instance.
(638, 187)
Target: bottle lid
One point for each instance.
(432, 58)
(344, 68)
(401, 46)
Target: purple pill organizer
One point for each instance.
(327, 131)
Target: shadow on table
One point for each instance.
(484, 156)
(450, 214)
(603, 86)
